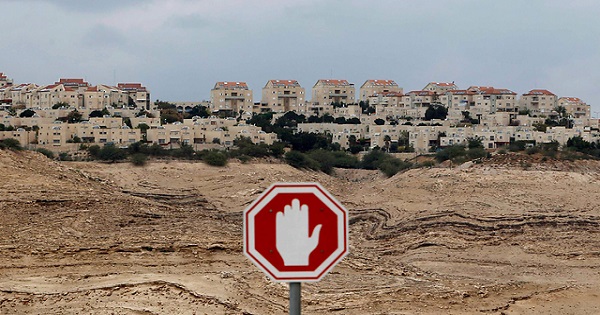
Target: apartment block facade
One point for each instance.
(575, 107)
(281, 96)
(440, 87)
(373, 87)
(4, 80)
(326, 92)
(489, 100)
(138, 94)
(539, 102)
(231, 97)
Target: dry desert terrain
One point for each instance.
(511, 235)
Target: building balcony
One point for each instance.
(287, 96)
(241, 97)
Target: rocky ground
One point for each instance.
(510, 235)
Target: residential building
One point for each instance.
(328, 92)
(4, 80)
(539, 102)
(139, 96)
(19, 95)
(340, 133)
(24, 137)
(58, 133)
(199, 132)
(102, 96)
(488, 100)
(575, 107)
(281, 96)
(440, 87)
(393, 104)
(457, 102)
(231, 97)
(78, 84)
(372, 87)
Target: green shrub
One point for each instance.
(326, 159)
(532, 150)
(300, 160)
(49, 154)
(428, 163)
(390, 166)
(476, 153)
(372, 159)
(185, 151)
(455, 153)
(214, 158)
(244, 159)
(138, 159)
(517, 146)
(11, 143)
(345, 160)
(64, 156)
(111, 153)
(94, 150)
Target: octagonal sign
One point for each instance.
(295, 232)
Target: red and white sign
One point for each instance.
(295, 232)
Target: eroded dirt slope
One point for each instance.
(78, 238)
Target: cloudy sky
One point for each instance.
(180, 48)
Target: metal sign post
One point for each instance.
(295, 298)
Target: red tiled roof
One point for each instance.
(49, 87)
(78, 81)
(232, 85)
(131, 86)
(389, 94)
(489, 90)
(539, 92)
(333, 82)
(383, 82)
(461, 92)
(422, 93)
(2, 76)
(285, 82)
(443, 83)
(572, 99)
(92, 89)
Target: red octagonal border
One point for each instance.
(259, 231)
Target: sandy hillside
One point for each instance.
(512, 235)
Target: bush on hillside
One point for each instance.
(49, 154)
(214, 158)
(300, 160)
(10, 143)
(138, 159)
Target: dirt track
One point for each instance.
(78, 238)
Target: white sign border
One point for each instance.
(295, 276)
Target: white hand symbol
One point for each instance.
(292, 239)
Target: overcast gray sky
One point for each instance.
(180, 48)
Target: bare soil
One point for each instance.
(511, 235)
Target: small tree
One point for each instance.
(436, 111)
(11, 143)
(59, 105)
(111, 153)
(379, 121)
(143, 127)
(138, 159)
(215, 158)
(27, 113)
(74, 116)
